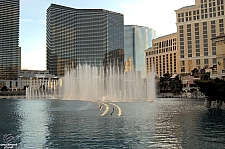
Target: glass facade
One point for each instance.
(82, 36)
(136, 40)
(9, 39)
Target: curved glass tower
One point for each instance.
(136, 40)
(82, 36)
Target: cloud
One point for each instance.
(25, 20)
(43, 21)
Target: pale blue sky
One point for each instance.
(156, 14)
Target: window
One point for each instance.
(197, 61)
(183, 69)
(182, 63)
(210, 9)
(210, 4)
(205, 49)
(194, 12)
(206, 61)
(213, 35)
(214, 60)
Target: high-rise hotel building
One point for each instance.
(9, 39)
(162, 56)
(196, 25)
(83, 36)
(136, 40)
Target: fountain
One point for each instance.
(92, 83)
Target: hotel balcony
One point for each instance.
(221, 75)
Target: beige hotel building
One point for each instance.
(196, 26)
(192, 46)
(163, 55)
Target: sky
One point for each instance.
(156, 14)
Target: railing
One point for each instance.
(214, 72)
(222, 71)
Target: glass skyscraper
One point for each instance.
(82, 36)
(136, 40)
(9, 39)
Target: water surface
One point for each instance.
(165, 123)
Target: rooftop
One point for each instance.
(165, 36)
(187, 7)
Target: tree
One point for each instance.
(195, 73)
(4, 88)
(205, 76)
(176, 85)
(165, 82)
(213, 88)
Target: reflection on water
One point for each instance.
(166, 123)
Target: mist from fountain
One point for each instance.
(92, 83)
